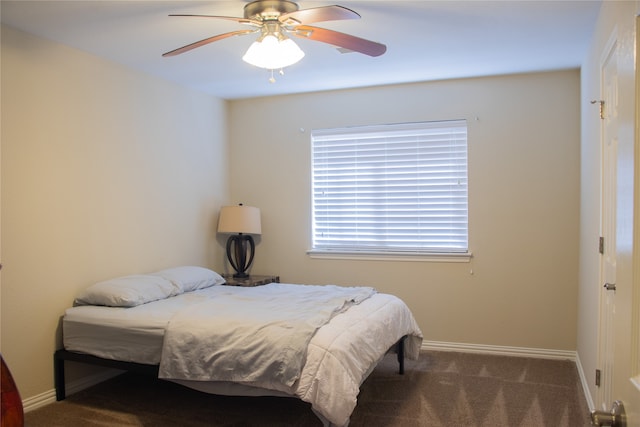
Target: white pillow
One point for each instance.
(190, 278)
(128, 291)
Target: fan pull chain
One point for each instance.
(272, 79)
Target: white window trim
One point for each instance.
(417, 254)
(390, 256)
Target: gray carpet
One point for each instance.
(440, 389)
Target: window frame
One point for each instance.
(441, 254)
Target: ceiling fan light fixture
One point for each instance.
(273, 52)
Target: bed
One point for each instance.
(314, 343)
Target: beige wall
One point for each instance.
(618, 17)
(105, 172)
(108, 172)
(520, 288)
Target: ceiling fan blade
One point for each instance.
(335, 38)
(228, 18)
(318, 14)
(188, 47)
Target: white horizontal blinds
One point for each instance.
(391, 188)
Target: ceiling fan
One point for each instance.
(276, 20)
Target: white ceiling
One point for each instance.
(426, 40)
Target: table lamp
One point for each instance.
(241, 222)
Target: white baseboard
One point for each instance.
(541, 353)
(48, 397)
(585, 384)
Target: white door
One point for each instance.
(608, 245)
(619, 338)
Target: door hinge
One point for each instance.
(598, 377)
(601, 245)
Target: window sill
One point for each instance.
(390, 256)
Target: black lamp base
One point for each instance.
(240, 251)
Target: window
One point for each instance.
(390, 189)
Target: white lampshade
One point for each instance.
(239, 219)
(272, 53)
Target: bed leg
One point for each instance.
(401, 355)
(58, 375)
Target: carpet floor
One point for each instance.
(439, 389)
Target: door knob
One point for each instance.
(614, 418)
(610, 286)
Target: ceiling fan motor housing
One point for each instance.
(265, 10)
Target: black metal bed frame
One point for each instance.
(60, 356)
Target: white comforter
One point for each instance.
(340, 356)
(248, 335)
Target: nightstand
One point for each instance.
(252, 280)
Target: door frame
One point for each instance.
(635, 314)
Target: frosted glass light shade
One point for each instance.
(273, 54)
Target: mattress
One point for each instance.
(128, 334)
(340, 355)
